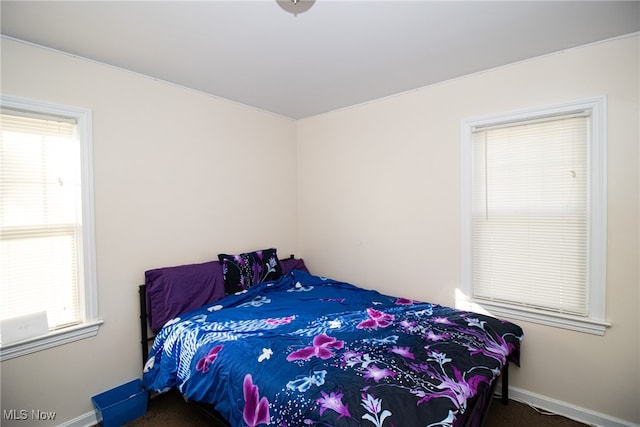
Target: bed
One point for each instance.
(303, 350)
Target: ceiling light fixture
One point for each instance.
(295, 6)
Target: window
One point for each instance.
(47, 255)
(534, 214)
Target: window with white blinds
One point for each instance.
(46, 225)
(39, 218)
(534, 236)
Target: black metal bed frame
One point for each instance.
(479, 406)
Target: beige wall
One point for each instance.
(179, 177)
(380, 206)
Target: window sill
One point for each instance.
(53, 339)
(558, 320)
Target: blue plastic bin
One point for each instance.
(121, 405)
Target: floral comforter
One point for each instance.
(310, 351)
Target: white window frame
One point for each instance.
(90, 321)
(594, 322)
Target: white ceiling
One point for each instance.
(337, 54)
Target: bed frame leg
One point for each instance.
(144, 336)
(505, 384)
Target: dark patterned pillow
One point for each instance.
(245, 270)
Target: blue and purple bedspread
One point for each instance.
(310, 351)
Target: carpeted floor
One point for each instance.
(170, 410)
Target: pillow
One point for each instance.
(242, 271)
(291, 264)
(171, 291)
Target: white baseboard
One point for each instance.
(85, 420)
(567, 410)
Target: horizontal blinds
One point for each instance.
(530, 214)
(40, 217)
